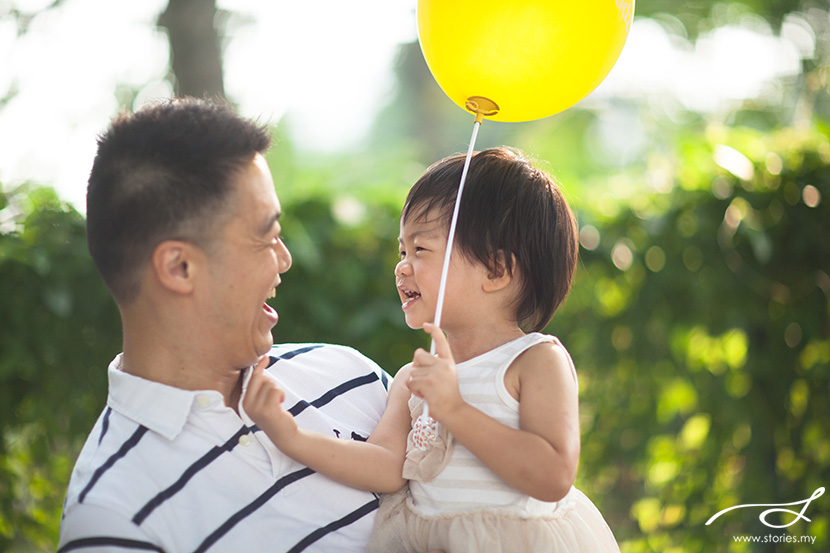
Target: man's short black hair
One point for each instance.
(511, 212)
(162, 173)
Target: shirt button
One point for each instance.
(245, 440)
(203, 402)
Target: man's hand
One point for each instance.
(263, 403)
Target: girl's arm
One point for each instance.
(540, 458)
(375, 465)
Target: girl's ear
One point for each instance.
(174, 267)
(499, 278)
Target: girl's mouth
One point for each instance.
(408, 297)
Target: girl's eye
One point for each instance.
(402, 253)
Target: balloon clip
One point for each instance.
(482, 107)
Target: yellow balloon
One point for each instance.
(532, 58)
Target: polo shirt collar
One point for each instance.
(161, 408)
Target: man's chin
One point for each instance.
(264, 346)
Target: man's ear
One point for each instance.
(174, 267)
(499, 278)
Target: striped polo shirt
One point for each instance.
(172, 470)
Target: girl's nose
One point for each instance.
(403, 268)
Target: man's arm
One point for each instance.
(92, 529)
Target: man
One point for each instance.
(183, 225)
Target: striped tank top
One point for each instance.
(465, 484)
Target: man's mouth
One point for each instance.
(270, 312)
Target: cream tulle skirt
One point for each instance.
(576, 526)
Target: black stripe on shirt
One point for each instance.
(189, 473)
(109, 541)
(105, 424)
(320, 533)
(329, 396)
(122, 451)
(240, 515)
(292, 354)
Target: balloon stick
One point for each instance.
(442, 287)
(426, 428)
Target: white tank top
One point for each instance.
(465, 483)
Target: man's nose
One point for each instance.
(285, 257)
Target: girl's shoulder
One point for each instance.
(544, 357)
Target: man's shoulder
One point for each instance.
(293, 350)
(330, 387)
(331, 361)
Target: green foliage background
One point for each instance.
(704, 364)
(699, 319)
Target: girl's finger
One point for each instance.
(280, 394)
(261, 364)
(442, 346)
(256, 380)
(422, 358)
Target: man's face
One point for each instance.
(244, 269)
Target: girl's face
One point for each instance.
(422, 245)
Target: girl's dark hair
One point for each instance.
(509, 211)
(165, 172)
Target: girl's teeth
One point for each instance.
(273, 293)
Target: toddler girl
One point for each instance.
(499, 475)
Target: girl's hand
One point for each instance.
(433, 377)
(263, 403)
